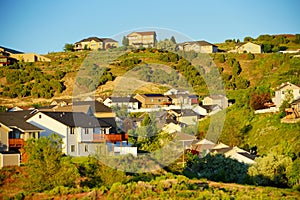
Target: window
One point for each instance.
(86, 131)
(282, 92)
(86, 148)
(72, 148)
(72, 131)
(40, 116)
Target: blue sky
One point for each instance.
(44, 26)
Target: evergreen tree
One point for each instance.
(172, 39)
(125, 41)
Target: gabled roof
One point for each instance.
(184, 137)
(90, 39)
(200, 42)
(17, 120)
(283, 85)
(123, 99)
(96, 106)
(185, 112)
(74, 119)
(216, 96)
(144, 33)
(11, 50)
(108, 40)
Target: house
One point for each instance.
(5, 59)
(174, 91)
(283, 91)
(20, 108)
(95, 43)
(144, 39)
(172, 128)
(81, 134)
(200, 110)
(202, 147)
(198, 46)
(184, 116)
(220, 100)
(292, 113)
(152, 100)
(15, 130)
(240, 155)
(249, 47)
(129, 102)
(61, 102)
(185, 139)
(30, 57)
(99, 109)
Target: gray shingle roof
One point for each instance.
(18, 119)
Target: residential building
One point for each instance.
(172, 128)
(198, 46)
(285, 90)
(184, 116)
(153, 100)
(15, 130)
(249, 47)
(30, 57)
(220, 100)
(292, 113)
(174, 91)
(144, 39)
(81, 134)
(129, 102)
(95, 43)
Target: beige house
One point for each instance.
(283, 90)
(30, 57)
(152, 100)
(249, 47)
(198, 46)
(184, 116)
(220, 100)
(95, 43)
(145, 39)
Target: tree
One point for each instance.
(271, 170)
(69, 47)
(46, 166)
(236, 68)
(257, 101)
(125, 41)
(248, 39)
(173, 40)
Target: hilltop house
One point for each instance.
(198, 46)
(283, 90)
(220, 100)
(95, 43)
(152, 100)
(144, 39)
(183, 116)
(249, 47)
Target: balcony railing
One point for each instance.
(16, 143)
(110, 137)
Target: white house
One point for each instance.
(198, 46)
(249, 47)
(172, 128)
(174, 91)
(129, 102)
(220, 100)
(283, 90)
(76, 129)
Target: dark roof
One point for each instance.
(90, 39)
(123, 99)
(222, 150)
(111, 121)
(296, 101)
(154, 95)
(18, 119)
(247, 155)
(185, 112)
(74, 119)
(209, 108)
(11, 50)
(96, 106)
(108, 40)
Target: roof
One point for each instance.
(108, 40)
(123, 99)
(62, 100)
(185, 137)
(297, 101)
(200, 42)
(185, 112)
(205, 141)
(18, 119)
(74, 119)
(283, 85)
(217, 96)
(96, 106)
(154, 95)
(90, 39)
(11, 50)
(144, 33)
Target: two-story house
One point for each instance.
(81, 134)
(15, 130)
(198, 46)
(153, 100)
(144, 39)
(284, 90)
(95, 43)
